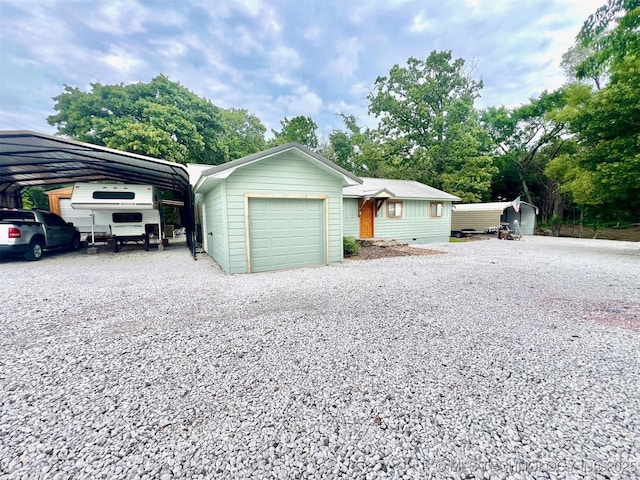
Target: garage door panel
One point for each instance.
(286, 233)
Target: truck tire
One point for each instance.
(35, 250)
(75, 243)
(459, 235)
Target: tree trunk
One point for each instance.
(525, 187)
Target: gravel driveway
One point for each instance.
(495, 360)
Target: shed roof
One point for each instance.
(386, 187)
(30, 159)
(488, 207)
(215, 174)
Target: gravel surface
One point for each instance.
(496, 359)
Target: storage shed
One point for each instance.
(57, 198)
(403, 210)
(483, 216)
(276, 209)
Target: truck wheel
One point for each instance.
(75, 243)
(34, 252)
(459, 235)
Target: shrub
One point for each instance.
(350, 246)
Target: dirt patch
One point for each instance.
(617, 315)
(374, 251)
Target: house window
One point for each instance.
(394, 209)
(435, 209)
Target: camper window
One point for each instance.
(100, 195)
(126, 217)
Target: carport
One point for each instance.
(31, 159)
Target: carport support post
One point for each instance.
(93, 222)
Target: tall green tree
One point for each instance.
(602, 175)
(426, 110)
(354, 148)
(299, 129)
(160, 119)
(525, 139)
(243, 133)
(612, 34)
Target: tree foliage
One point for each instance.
(525, 139)
(602, 174)
(299, 129)
(426, 114)
(612, 34)
(243, 133)
(160, 119)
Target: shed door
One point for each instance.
(286, 233)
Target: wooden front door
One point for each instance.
(366, 220)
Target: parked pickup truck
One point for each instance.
(29, 232)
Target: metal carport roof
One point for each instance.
(29, 159)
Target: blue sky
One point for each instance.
(275, 58)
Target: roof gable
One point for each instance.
(217, 173)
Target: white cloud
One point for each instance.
(243, 41)
(122, 61)
(284, 57)
(420, 23)
(363, 10)
(277, 59)
(281, 79)
(360, 89)
(271, 22)
(312, 32)
(486, 9)
(301, 102)
(250, 7)
(118, 17)
(347, 62)
(171, 48)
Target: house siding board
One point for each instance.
(415, 226)
(216, 224)
(351, 221)
(281, 175)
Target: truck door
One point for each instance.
(58, 231)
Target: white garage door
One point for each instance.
(286, 233)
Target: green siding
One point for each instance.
(282, 175)
(286, 233)
(216, 225)
(415, 226)
(351, 221)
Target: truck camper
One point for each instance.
(121, 212)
